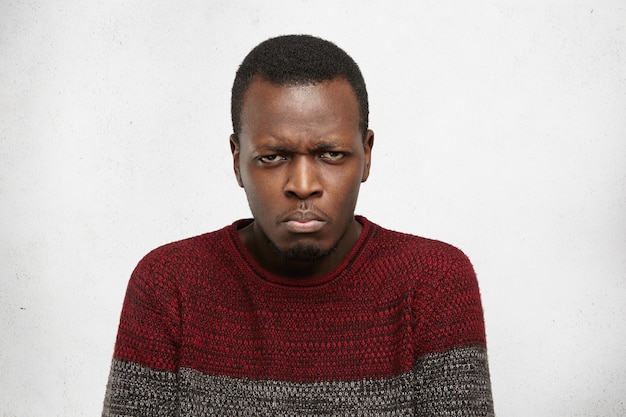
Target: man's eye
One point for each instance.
(333, 156)
(271, 158)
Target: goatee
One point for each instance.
(301, 252)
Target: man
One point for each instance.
(304, 310)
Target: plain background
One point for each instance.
(500, 128)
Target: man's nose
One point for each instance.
(303, 181)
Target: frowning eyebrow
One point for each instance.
(273, 148)
(317, 147)
(324, 146)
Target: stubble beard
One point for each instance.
(301, 252)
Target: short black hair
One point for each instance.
(297, 60)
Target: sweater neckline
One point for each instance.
(286, 282)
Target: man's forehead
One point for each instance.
(264, 94)
(295, 81)
(259, 81)
(307, 103)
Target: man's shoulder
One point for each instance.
(200, 248)
(408, 242)
(431, 267)
(416, 251)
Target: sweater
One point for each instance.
(395, 330)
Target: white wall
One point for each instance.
(500, 127)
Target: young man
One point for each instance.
(304, 310)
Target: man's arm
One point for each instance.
(143, 377)
(452, 371)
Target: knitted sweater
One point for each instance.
(395, 330)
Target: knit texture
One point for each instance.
(397, 329)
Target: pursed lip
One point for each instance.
(303, 222)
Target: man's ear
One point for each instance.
(368, 144)
(234, 149)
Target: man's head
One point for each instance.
(297, 60)
(300, 153)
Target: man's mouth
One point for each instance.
(307, 226)
(303, 222)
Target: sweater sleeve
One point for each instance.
(143, 376)
(451, 368)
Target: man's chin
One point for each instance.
(301, 252)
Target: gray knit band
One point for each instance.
(191, 393)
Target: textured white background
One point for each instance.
(500, 127)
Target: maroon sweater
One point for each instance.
(397, 329)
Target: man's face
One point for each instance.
(301, 159)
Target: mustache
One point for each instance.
(304, 211)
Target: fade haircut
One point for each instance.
(297, 60)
